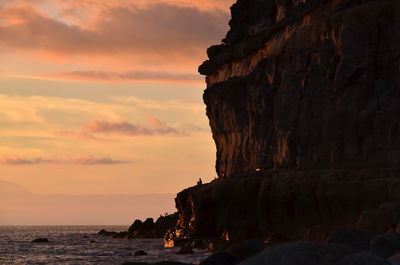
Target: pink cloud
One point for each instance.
(77, 135)
(84, 160)
(126, 128)
(162, 29)
(126, 76)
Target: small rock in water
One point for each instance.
(40, 240)
(106, 233)
(185, 250)
(136, 263)
(140, 253)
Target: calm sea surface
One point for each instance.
(69, 246)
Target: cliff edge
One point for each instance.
(303, 99)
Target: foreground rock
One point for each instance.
(363, 258)
(146, 229)
(151, 229)
(300, 253)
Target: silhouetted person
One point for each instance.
(199, 182)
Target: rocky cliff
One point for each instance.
(303, 99)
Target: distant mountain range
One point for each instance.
(19, 206)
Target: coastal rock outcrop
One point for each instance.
(303, 100)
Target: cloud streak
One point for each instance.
(126, 76)
(129, 129)
(159, 28)
(84, 161)
(90, 131)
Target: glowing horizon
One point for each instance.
(104, 96)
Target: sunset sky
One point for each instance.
(103, 96)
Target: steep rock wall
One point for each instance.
(307, 86)
(303, 99)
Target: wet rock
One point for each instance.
(136, 263)
(395, 259)
(199, 244)
(246, 249)
(134, 229)
(107, 233)
(185, 250)
(123, 234)
(300, 253)
(357, 239)
(166, 223)
(219, 258)
(141, 229)
(319, 233)
(386, 245)
(170, 263)
(385, 217)
(85, 236)
(217, 245)
(363, 258)
(40, 240)
(140, 253)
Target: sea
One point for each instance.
(82, 245)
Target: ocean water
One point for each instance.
(69, 246)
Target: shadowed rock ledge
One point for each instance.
(303, 99)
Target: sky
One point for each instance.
(103, 96)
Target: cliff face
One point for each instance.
(303, 99)
(311, 85)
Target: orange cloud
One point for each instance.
(122, 128)
(84, 160)
(77, 135)
(161, 29)
(126, 128)
(101, 76)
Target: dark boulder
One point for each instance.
(157, 263)
(136, 263)
(300, 253)
(395, 259)
(385, 217)
(134, 229)
(123, 234)
(386, 245)
(107, 233)
(246, 249)
(363, 258)
(357, 239)
(217, 244)
(166, 223)
(40, 240)
(140, 253)
(141, 229)
(185, 250)
(219, 258)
